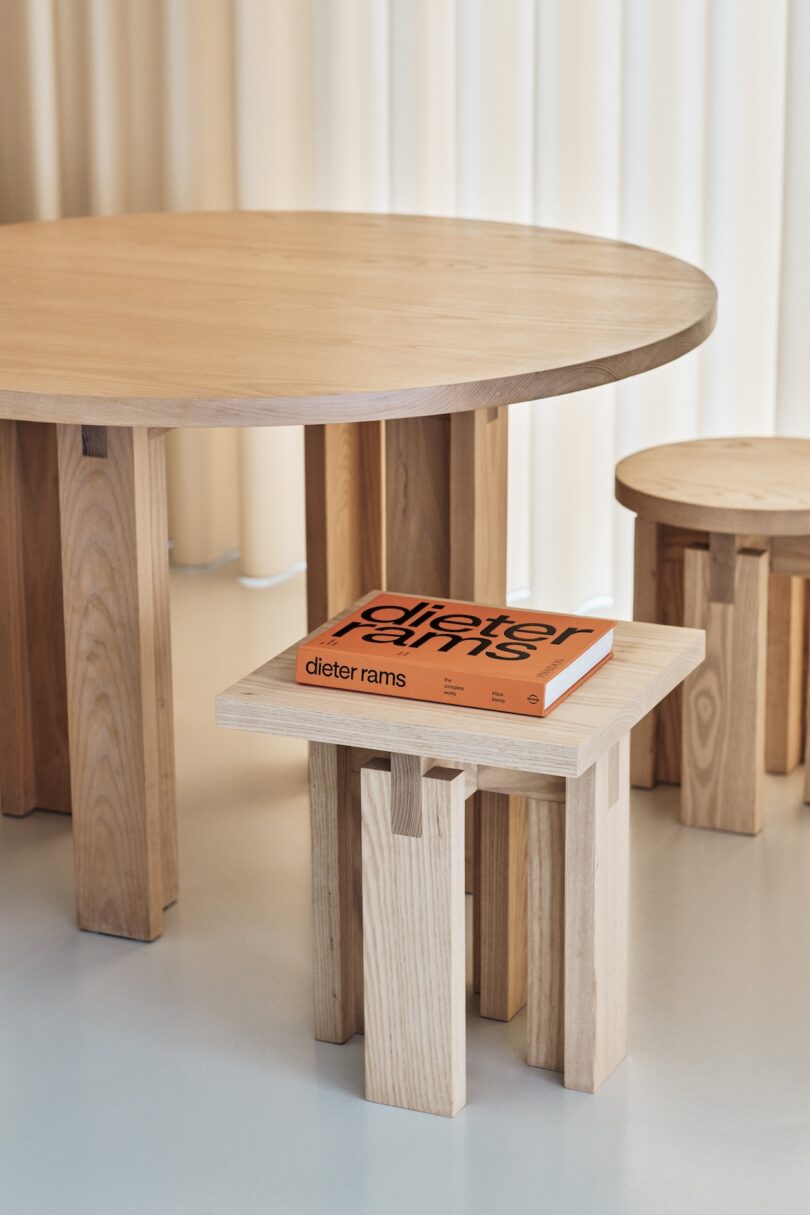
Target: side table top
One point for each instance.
(649, 660)
(274, 318)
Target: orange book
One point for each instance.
(457, 653)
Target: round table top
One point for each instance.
(272, 318)
(755, 486)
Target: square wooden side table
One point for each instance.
(388, 874)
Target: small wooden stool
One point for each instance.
(388, 867)
(723, 543)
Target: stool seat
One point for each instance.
(759, 486)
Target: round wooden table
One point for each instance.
(396, 340)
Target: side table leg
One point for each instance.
(597, 806)
(34, 762)
(501, 894)
(337, 921)
(724, 699)
(545, 1030)
(413, 943)
(118, 677)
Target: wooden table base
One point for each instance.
(87, 545)
(118, 653)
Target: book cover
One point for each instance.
(457, 653)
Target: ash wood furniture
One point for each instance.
(397, 341)
(723, 543)
(388, 877)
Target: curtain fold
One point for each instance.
(683, 126)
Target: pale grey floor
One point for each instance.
(182, 1077)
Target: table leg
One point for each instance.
(806, 793)
(417, 505)
(114, 560)
(445, 488)
(34, 764)
(344, 508)
(445, 497)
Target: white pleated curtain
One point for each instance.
(680, 125)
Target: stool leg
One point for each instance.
(34, 762)
(785, 673)
(724, 699)
(546, 936)
(337, 922)
(646, 565)
(674, 542)
(596, 888)
(501, 896)
(414, 950)
(658, 590)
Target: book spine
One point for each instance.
(418, 682)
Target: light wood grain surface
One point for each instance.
(734, 485)
(649, 660)
(646, 575)
(337, 903)
(34, 761)
(414, 946)
(345, 510)
(597, 821)
(724, 701)
(785, 673)
(545, 1011)
(119, 692)
(229, 319)
(501, 891)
